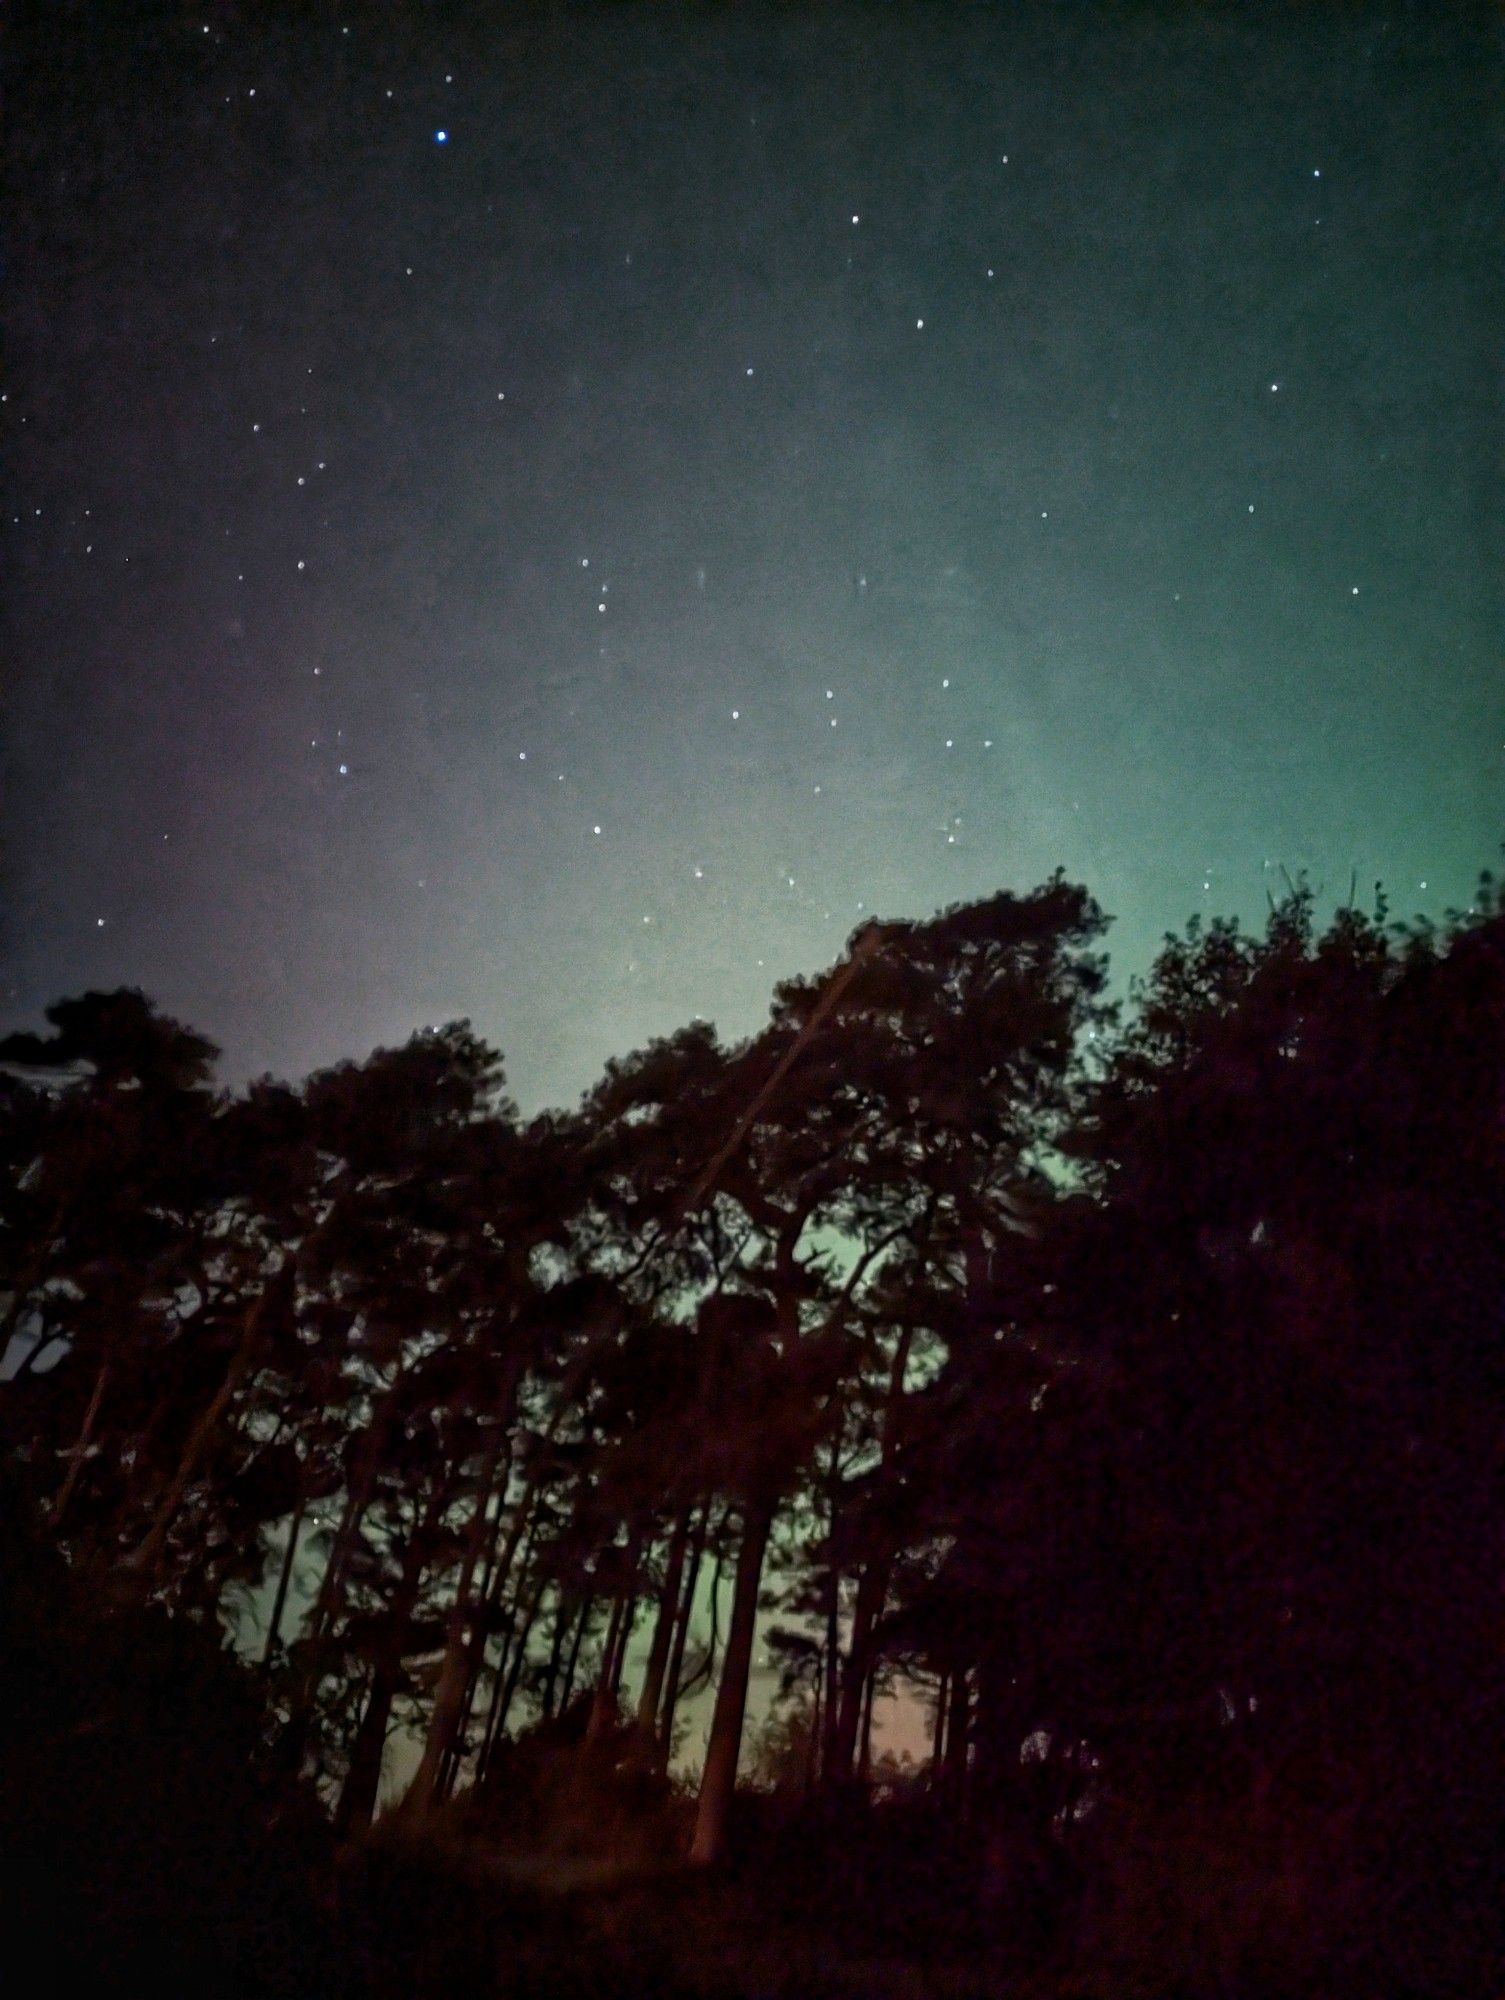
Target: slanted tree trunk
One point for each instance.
(723, 1750)
(587, 1606)
(449, 1694)
(603, 1713)
(515, 1557)
(146, 1559)
(604, 1708)
(85, 1438)
(329, 1597)
(651, 1692)
(501, 1706)
(600, 1705)
(284, 1579)
(563, 1612)
(508, 1633)
(681, 1635)
(362, 1786)
(475, 1658)
(331, 1592)
(624, 1640)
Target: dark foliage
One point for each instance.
(144, 1850)
(1132, 1392)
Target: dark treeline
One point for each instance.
(1123, 1386)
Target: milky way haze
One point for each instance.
(555, 516)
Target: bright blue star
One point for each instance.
(440, 137)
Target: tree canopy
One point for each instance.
(1122, 1386)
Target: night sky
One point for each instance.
(554, 516)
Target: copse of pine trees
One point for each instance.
(1126, 1383)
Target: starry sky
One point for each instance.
(554, 515)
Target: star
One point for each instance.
(627, 425)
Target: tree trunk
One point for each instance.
(604, 1707)
(587, 1606)
(563, 1612)
(831, 1671)
(864, 945)
(284, 1579)
(958, 1741)
(475, 1657)
(449, 1694)
(719, 1780)
(146, 1558)
(872, 1594)
(520, 1534)
(515, 1556)
(326, 1609)
(872, 1585)
(865, 1737)
(624, 1640)
(80, 1450)
(938, 1737)
(651, 1692)
(508, 1632)
(362, 1786)
(812, 1748)
(681, 1635)
(330, 1598)
(496, 1726)
(997, 1731)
